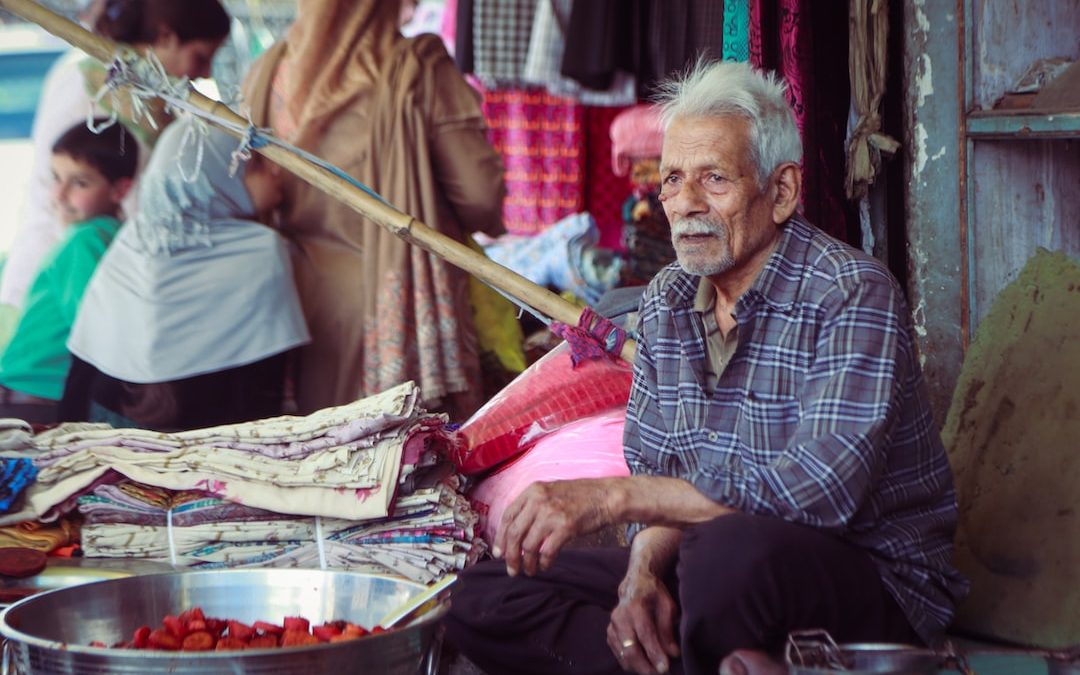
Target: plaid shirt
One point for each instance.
(820, 418)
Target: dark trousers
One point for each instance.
(240, 394)
(26, 407)
(741, 581)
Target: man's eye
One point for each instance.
(715, 178)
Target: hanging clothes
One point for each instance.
(542, 142)
(605, 192)
(650, 38)
(500, 34)
(736, 30)
(546, 47)
(799, 40)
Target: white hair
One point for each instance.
(734, 88)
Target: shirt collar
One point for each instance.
(705, 298)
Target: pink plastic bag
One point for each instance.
(548, 395)
(588, 448)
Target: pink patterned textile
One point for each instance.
(541, 140)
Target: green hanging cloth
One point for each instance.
(736, 30)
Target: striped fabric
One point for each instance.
(820, 418)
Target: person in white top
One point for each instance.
(183, 34)
(190, 315)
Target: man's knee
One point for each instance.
(735, 549)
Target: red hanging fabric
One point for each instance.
(799, 40)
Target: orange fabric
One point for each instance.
(39, 536)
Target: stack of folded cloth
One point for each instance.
(362, 486)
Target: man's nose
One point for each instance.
(688, 201)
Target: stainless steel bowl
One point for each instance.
(65, 572)
(876, 658)
(50, 632)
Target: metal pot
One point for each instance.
(873, 658)
(50, 632)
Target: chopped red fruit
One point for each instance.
(141, 638)
(230, 643)
(263, 642)
(216, 626)
(325, 631)
(297, 638)
(296, 623)
(199, 641)
(268, 628)
(240, 630)
(193, 614)
(174, 625)
(163, 639)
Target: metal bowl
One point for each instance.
(50, 632)
(65, 572)
(876, 658)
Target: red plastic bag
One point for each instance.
(548, 395)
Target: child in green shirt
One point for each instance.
(92, 172)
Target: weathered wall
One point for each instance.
(1027, 195)
(931, 165)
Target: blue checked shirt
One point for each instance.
(820, 417)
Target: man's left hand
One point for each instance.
(547, 515)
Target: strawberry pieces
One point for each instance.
(298, 638)
(192, 630)
(199, 641)
(268, 628)
(163, 639)
(240, 631)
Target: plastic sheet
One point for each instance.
(588, 448)
(548, 395)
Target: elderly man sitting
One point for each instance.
(786, 469)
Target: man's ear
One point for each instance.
(120, 189)
(788, 189)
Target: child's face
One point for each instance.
(263, 182)
(81, 192)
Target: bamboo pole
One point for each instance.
(397, 222)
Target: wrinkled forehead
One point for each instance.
(700, 141)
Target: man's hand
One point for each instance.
(547, 515)
(641, 633)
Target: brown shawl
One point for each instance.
(381, 311)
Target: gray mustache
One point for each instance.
(688, 226)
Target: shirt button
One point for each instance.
(713, 436)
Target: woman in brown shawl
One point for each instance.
(397, 115)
